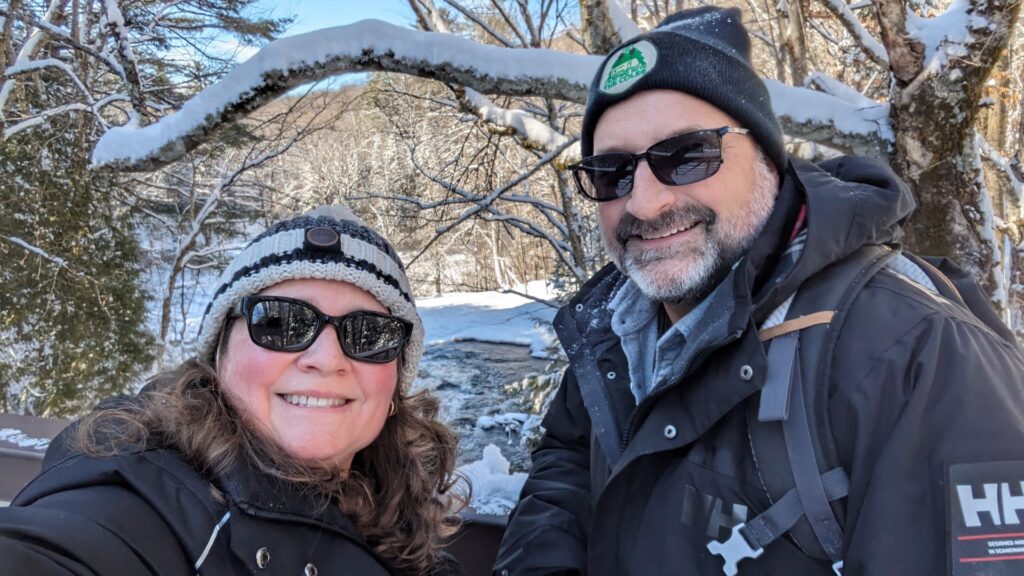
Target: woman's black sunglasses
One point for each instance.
(290, 325)
(679, 160)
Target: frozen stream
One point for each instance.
(472, 379)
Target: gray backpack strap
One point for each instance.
(748, 540)
(788, 427)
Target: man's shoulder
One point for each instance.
(895, 319)
(896, 303)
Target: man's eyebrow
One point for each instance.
(673, 134)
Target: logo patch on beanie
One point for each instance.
(627, 65)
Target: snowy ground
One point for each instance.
(503, 318)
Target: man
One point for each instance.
(653, 459)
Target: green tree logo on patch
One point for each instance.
(631, 63)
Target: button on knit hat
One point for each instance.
(328, 243)
(704, 52)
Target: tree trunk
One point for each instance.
(933, 117)
(794, 42)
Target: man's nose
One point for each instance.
(649, 197)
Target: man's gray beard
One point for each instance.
(724, 245)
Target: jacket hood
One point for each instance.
(851, 202)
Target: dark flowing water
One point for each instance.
(472, 380)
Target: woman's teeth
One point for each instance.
(313, 401)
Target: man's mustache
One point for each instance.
(630, 226)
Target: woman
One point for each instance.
(289, 445)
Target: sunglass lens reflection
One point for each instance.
(372, 337)
(609, 175)
(282, 325)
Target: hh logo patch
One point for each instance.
(986, 518)
(627, 66)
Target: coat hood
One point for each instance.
(851, 202)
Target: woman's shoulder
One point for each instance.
(105, 515)
(160, 476)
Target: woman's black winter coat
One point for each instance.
(151, 513)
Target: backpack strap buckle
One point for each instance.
(734, 549)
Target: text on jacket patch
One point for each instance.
(705, 511)
(998, 503)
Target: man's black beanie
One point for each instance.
(704, 52)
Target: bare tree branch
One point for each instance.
(871, 47)
(481, 23)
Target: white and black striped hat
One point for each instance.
(328, 243)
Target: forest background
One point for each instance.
(142, 144)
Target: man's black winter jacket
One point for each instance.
(918, 384)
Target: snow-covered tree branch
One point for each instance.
(374, 45)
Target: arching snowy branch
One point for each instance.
(366, 45)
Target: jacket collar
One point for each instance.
(262, 495)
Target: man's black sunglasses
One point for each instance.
(289, 325)
(679, 160)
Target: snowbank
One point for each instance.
(495, 491)
(503, 318)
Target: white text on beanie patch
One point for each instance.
(627, 65)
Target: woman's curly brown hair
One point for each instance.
(398, 492)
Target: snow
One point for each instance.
(944, 35)
(503, 318)
(1000, 295)
(834, 87)
(23, 440)
(36, 250)
(803, 105)
(507, 420)
(324, 48)
(623, 24)
(495, 491)
(530, 127)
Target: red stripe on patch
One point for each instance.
(992, 536)
(992, 559)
